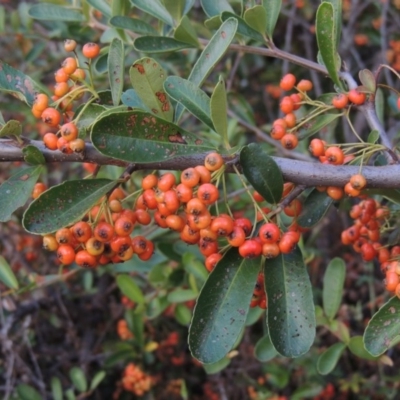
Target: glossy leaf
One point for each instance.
(316, 124)
(11, 128)
(216, 367)
(102, 6)
(53, 12)
(88, 116)
(7, 275)
(14, 81)
(367, 79)
(337, 17)
(154, 8)
(131, 99)
(147, 78)
(130, 288)
(27, 392)
(56, 388)
(133, 24)
(97, 379)
(180, 295)
(333, 287)
(16, 190)
(222, 307)
(213, 23)
(314, 209)
(159, 44)
(383, 328)
(210, 56)
(215, 7)
(137, 136)
(326, 37)
(329, 358)
(273, 8)
(262, 172)
(116, 58)
(186, 33)
(175, 8)
(264, 350)
(219, 110)
(32, 155)
(256, 18)
(291, 316)
(356, 346)
(64, 204)
(191, 96)
(243, 28)
(78, 379)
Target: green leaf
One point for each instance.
(256, 18)
(102, 6)
(222, 307)
(26, 392)
(136, 136)
(216, 367)
(326, 32)
(373, 136)
(215, 7)
(133, 24)
(383, 328)
(7, 275)
(159, 44)
(130, 288)
(2, 122)
(314, 209)
(180, 295)
(186, 33)
(33, 155)
(69, 394)
(315, 125)
(56, 388)
(116, 58)
(337, 17)
(262, 172)
(52, 12)
(264, 350)
(219, 109)
(154, 8)
(131, 99)
(97, 379)
(64, 204)
(16, 190)
(254, 315)
(380, 100)
(88, 116)
(191, 96)
(11, 128)
(183, 314)
(213, 23)
(147, 78)
(210, 56)
(368, 80)
(243, 28)
(291, 316)
(273, 8)
(356, 346)
(329, 358)
(333, 287)
(175, 8)
(14, 81)
(78, 379)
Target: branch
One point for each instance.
(296, 171)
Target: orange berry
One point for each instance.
(212, 260)
(356, 97)
(358, 181)
(81, 231)
(205, 174)
(340, 101)
(61, 88)
(166, 181)
(208, 193)
(149, 182)
(251, 248)
(286, 105)
(317, 147)
(51, 116)
(77, 145)
(66, 254)
(86, 260)
(69, 45)
(334, 155)
(69, 131)
(50, 141)
(41, 101)
(190, 177)
(287, 82)
(213, 161)
(38, 189)
(304, 85)
(334, 192)
(50, 243)
(350, 190)
(91, 50)
(289, 141)
(69, 65)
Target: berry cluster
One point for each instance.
(259, 297)
(69, 87)
(136, 381)
(123, 330)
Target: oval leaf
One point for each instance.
(100, 375)
(191, 96)
(33, 155)
(181, 295)
(383, 328)
(243, 28)
(367, 79)
(159, 44)
(264, 350)
(11, 128)
(210, 56)
(218, 105)
(256, 18)
(147, 78)
(315, 207)
(7, 275)
(315, 125)
(16, 190)
(154, 8)
(262, 172)
(183, 314)
(222, 307)
(216, 367)
(337, 17)
(186, 33)
(130, 288)
(116, 58)
(215, 7)
(26, 392)
(52, 12)
(136, 136)
(78, 378)
(326, 30)
(133, 24)
(333, 287)
(373, 136)
(56, 388)
(102, 6)
(273, 8)
(291, 316)
(64, 204)
(329, 358)
(356, 346)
